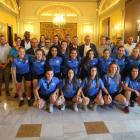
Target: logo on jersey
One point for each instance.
(43, 63)
(26, 61)
(53, 84)
(123, 59)
(57, 61)
(137, 84)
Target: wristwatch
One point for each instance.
(38, 99)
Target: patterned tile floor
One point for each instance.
(29, 123)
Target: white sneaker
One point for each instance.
(106, 107)
(63, 106)
(113, 105)
(75, 107)
(84, 107)
(45, 106)
(51, 108)
(95, 106)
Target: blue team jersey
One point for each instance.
(133, 84)
(120, 62)
(55, 64)
(21, 67)
(37, 67)
(70, 63)
(112, 86)
(103, 64)
(13, 52)
(47, 88)
(93, 90)
(71, 92)
(130, 62)
(92, 63)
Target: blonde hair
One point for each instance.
(116, 74)
(25, 53)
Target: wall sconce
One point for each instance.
(88, 30)
(118, 28)
(29, 27)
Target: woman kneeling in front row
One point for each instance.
(112, 82)
(91, 87)
(48, 90)
(132, 87)
(68, 88)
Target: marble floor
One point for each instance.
(29, 123)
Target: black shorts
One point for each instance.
(44, 97)
(68, 99)
(83, 75)
(58, 75)
(113, 95)
(27, 77)
(91, 97)
(37, 76)
(133, 95)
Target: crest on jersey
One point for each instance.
(57, 61)
(53, 84)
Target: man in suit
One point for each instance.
(75, 43)
(34, 43)
(26, 42)
(84, 48)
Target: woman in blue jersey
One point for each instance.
(112, 82)
(73, 61)
(103, 63)
(54, 60)
(21, 68)
(87, 62)
(119, 58)
(64, 48)
(13, 53)
(131, 61)
(68, 89)
(38, 67)
(46, 89)
(132, 88)
(91, 89)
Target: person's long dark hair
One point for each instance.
(86, 59)
(89, 79)
(138, 77)
(75, 49)
(67, 49)
(59, 53)
(74, 81)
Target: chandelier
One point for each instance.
(59, 20)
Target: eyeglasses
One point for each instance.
(47, 42)
(47, 86)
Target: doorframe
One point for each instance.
(11, 33)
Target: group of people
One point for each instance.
(52, 72)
